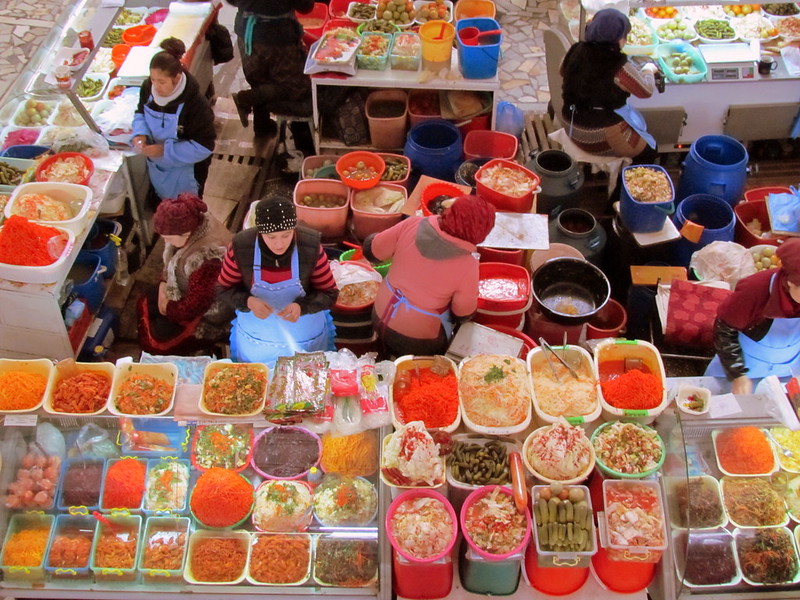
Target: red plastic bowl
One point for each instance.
(434, 190)
(412, 495)
(623, 577)
(41, 170)
(139, 35)
(503, 201)
(370, 159)
(519, 276)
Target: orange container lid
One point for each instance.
(556, 581)
(621, 576)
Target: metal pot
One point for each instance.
(570, 290)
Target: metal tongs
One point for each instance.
(547, 346)
(544, 344)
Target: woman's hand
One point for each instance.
(742, 385)
(290, 313)
(139, 142)
(259, 308)
(153, 150)
(162, 298)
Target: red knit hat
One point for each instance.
(176, 216)
(471, 218)
(789, 253)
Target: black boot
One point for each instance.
(243, 100)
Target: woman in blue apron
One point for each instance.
(173, 126)
(277, 278)
(598, 79)
(757, 331)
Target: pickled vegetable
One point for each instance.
(714, 29)
(323, 200)
(89, 86)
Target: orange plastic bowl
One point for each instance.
(434, 190)
(351, 160)
(44, 166)
(139, 35)
(119, 53)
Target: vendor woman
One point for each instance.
(173, 125)
(597, 81)
(433, 279)
(757, 330)
(277, 278)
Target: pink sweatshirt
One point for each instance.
(433, 269)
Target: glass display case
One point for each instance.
(107, 507)
(732, 504)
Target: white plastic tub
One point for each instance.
(458, 489)
(672, 487)
(39, 366)
(167, 372)
(102, 367)
(408, 363)
(396, 490)
(201, 534)
(682, 541)
(45, 274)
(216, 366)
(78, 197)
(648, 554)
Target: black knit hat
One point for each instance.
(275, 214)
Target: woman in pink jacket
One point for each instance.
(433, 280)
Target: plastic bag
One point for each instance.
(347, 273)
(79, 139)
(346, 392)
(50, 440)
(510, 119)
(117, 119)
(190, 368)
(375, 380)
(298, 389)
(723, 261)
(93, 440)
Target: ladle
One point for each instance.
(471, 35)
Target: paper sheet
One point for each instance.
(723, 405)
(518, 230)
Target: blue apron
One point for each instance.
(399, 299)
(636, 121)
(168, 181)
(264, 340)
(777, 353)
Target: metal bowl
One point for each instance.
(570, 290)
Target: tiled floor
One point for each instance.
(25, 24)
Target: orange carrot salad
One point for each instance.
(82, 393)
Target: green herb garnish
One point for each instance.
(494, 374)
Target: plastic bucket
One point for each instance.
(469, 9)
(364, 223)
(512, 257)
(644, 217)
(87, 274)
(119, 53)
(388, 131)
(745, 213)
(482, 143)
(426, 101)
(608, 322)
(24, 151)
(330, 222)
(434, 148)
(98, 242)
(538, 325)
(437, 44)
(479, 61)
(711, 213)
(716, 165)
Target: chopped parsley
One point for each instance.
(494, 374)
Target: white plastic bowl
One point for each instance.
(40, 366)
(103, 367)
(103, 77)
(51, 273)
(165, 371)
(79, 197)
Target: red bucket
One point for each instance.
(609, 321)
(512, 257)
(481, 143)
(502, 201)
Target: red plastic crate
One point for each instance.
(490, 144)
(514, 273)
(762, 193)
(504, 202)
(747, 211)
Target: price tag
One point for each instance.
(20, 420)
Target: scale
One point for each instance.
(729, 62)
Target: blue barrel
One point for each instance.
(714, 214)
(99, 242)
(644, 217)
(87, 274)
(434, 148)
(717, 165)
(479, 59)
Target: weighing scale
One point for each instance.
(729, 62)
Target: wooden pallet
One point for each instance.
(534, 135)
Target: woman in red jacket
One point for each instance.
(433, 279)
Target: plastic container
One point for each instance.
(314, 22)
(699, 68)
(313, 438)
(475, 497)
(758, 194)
(713, 215)
(638, 553)
(434, 147)
(178, 507)
(20, 164)
(217, 366)
(338, 8)
(423, 100)
(513, 281)
(420, 4)
(615, 352)
(643, 49)
(745, 213)
(13, 135)
(406, 53)
(396, 490)
(350, 14)
(129, 526)
(166, 372)
(402, 162)
(609, 321)
(122, 510)
(370, 159)
(613, 473)
(314, 163)
(387, 132)
(409, 364)
(339, 22)
(437, 44)
(680, 521)
(24, 151)
(555, 581)
(470, 9)
(21, 522)
(717, 165)
(139, 35)
(382, 268)
(254, 540)
(682, 542)
(38, 366)
(284, 521)
(580, 477)
(43, 110)
(421, 578)
(105, 368)
(458, 491)
(224, 528)
(504, 202)
(45, 274)
(201, 534)
(164, 530)
(78, 197)
(347, 547)
(550, 558)
(645, 217)
(775, 464)
(61, 499)
(103, 77)
(479, 61)
(433, 190)
(685, 392)
(236, 463)
(374, 62)
(87, 275)
(364, 223)
(41, 175)
(621, 576)
(334, 481)
(119, 53)
(72, 526)
(490, 144)
(742, 535)
(330, 222)
(574, 355)
(99, 243)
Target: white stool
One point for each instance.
(611, 165)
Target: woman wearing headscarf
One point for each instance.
(598, 79)
(173, 126)
(277, 278)
(757, 330)
(433, 279)
(183, 314)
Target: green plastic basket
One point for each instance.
(382, 268)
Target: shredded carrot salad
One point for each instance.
(429, 398)
(280, 558)
(26, 548)
(82, 393)
(142, 394)
(745, 451)
(350, 455)
(70, 551)
(116, 550)
(221, 498)
(124, 485)
(218, 559)
(164, 550)
(235, 389)
(20, 390)
(633, 390)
